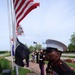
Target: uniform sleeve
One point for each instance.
(62, 68)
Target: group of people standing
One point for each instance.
(52, 55)
(38, 57)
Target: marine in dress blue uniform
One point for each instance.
(55, 65)
(41, 61)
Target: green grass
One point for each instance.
(71, 65)
(6, 64)
(22, 71)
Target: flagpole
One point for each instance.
(14, 32)
(26, 8)
(10, 33)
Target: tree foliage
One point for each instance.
(36, 47)
(73, 39)
(31, 48)
(71, 46)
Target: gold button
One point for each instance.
(60, 63)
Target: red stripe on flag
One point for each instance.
(15, 3)
(21, 4)
(22, 8)
(30, 9)
(31, 0)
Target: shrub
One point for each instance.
(5, 64)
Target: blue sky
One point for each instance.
(53, 19)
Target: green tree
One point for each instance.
(73, 39)
(71, 46)
(31, 48)
(37, 47)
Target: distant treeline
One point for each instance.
(69, 51)
(1, 52)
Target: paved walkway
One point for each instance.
(32, 66)
(35, 67)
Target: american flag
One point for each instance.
(22, 8)
(19, 30)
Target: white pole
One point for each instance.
(10, 33)
(14, 31)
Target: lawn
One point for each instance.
(6, 64)
(71, 65)
(22, 71)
